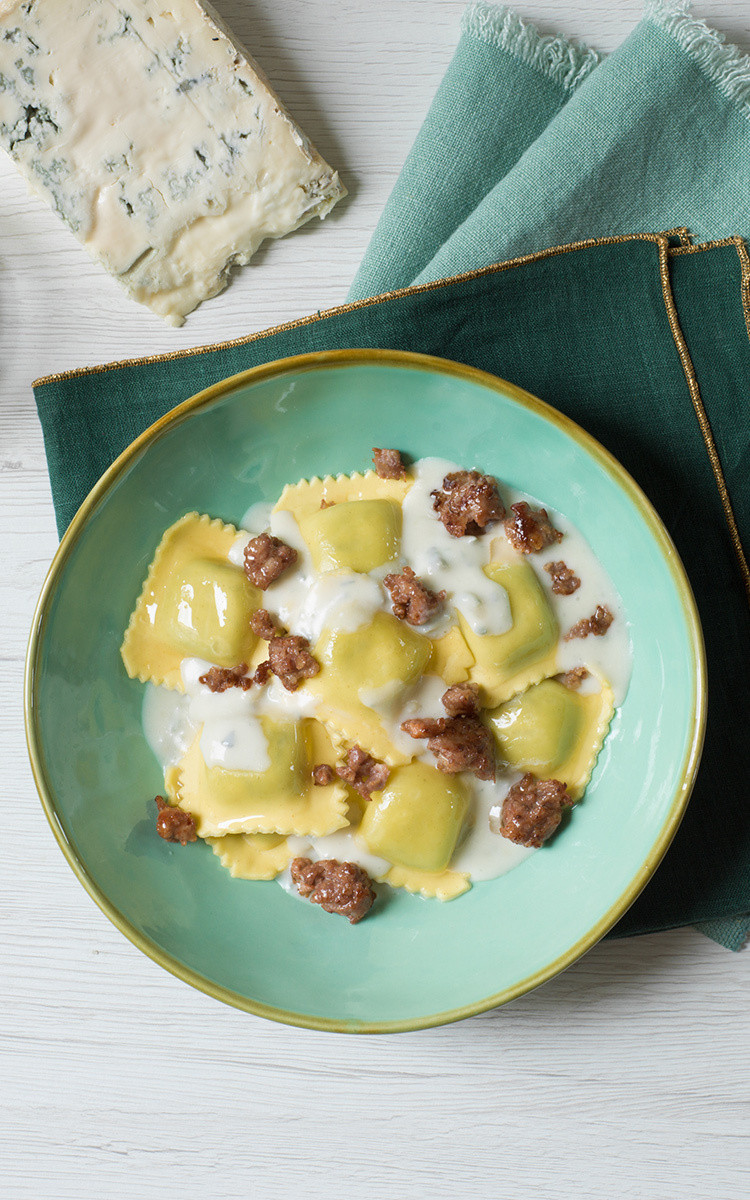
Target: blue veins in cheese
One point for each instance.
(152, 133)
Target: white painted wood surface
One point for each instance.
(626, 1077)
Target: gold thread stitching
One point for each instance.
(420, 289)
(700, 412)
(664, 250)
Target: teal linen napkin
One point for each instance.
(657, 136)
(529, 143)
(649, 351)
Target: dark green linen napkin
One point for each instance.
(596, 330)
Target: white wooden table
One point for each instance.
(625, 1077)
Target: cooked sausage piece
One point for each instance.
(265, 559)
(458, 743)
(290, 660)
(337, 887)
(323, 775)
(564, 581)
(468, 503)
(574, 678)
(461, 700)
(411, 600)
(532, 810)
(363, 772)
(388, 464)
(174, 824)
(218, 679)
(598, 624)
(263, 624)
(529, 529)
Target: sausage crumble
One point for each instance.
(411, 600)
(289, 658)
(323, 775)
(458, 743)
(574, 678)
(337, 887)
(363, 772)
(532, 811)
(468, 503)
(598, 624)
(388, 464)
(263, 624)
(266, 557)
(461, 700)
(218, 679)
(174, 824)
(530, 530)
(564, 581)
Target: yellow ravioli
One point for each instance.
(433, 885)
(252, 855)
(506, 663)
(304, 498)
(416, 820)
(451, 658)
(355, 535)
(282, 799)
(194, 603)
(554, 732)
(372, 665)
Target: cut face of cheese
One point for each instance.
(152, 133)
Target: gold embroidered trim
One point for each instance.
(420, 289)
(660, 240)
(695, 395)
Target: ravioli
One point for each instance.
(354, 535)
(282, 799)
(252, 855)
(417, 819)
(554, 732)
(373, 665)
(194, 603)
(374, 669)
(505, 663)
(306, 497)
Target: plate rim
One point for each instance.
(432, 364)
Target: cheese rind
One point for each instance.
(152, 133)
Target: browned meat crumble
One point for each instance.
(564, 581)
(530, 530)
(388, 464)
(532, 810)
(458, 743)
(174, 824)
(337, 887)
(323, 775)
(266, 557)
(468, 503)
(412, 601)
(462, 700)
(263, 624)
(363, 772)
(218, 679)
(290, 660)
(598, 624)
(573, 679)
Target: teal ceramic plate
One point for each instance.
(414, 963)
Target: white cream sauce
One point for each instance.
(307, 602)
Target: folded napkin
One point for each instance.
(546, 149)
(529, 144)
(648, 349)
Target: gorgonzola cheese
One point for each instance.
(152, 133)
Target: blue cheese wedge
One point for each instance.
(156, 138)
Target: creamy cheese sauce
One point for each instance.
(307, 602)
